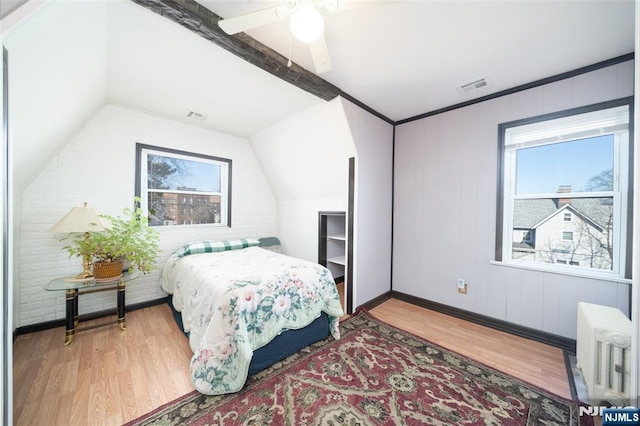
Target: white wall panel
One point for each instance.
(626, 77)
(447, 229)
(445, 209)
(551, 303)
(373, 139)
(596, 86)
(479, 294)
(531, 296)
(514, 284)
(557, 96)
(406, 254)
(528, 103)
(497, 292)
(468, 207)
(98, 166)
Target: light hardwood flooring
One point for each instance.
(108, 376)
(534, 362)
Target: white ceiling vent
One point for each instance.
(196, 116)
(474, 86)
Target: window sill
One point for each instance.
(591, 276)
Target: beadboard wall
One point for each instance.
(98, 166)
(445, 209)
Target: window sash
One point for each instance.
(223, 195)
(572, 127)
(531, 135)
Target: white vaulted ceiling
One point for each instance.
(400, 58)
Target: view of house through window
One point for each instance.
(179, 188)
(565, 190)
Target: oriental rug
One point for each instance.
(374, 375)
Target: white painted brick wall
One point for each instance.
(98, 166)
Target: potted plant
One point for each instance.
(129, 239)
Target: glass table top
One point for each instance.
(73, 283)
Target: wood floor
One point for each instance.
(108, 377)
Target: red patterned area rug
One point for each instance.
(374, 375)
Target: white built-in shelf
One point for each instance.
(339, 260)
(332, 245)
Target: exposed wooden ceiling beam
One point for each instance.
(204, 22)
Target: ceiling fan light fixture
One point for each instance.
(306, 24)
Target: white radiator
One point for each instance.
(603, 345)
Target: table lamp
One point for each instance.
(81, 220)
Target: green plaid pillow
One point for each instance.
(214, 246)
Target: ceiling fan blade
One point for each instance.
(320, 55)
(250, 20)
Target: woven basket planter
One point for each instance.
(106, 270)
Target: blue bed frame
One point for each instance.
(285, 344)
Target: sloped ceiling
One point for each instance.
(68, 59)
(400, 58)
(160, 67)
(57, 79)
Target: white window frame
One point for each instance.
(142, 190)
(607, 118)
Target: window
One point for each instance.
(182, 188)
(566, 178)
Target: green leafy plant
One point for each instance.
(129, 239)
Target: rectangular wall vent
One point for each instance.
(474, 86)
(196, 116)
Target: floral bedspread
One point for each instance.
(236, 301)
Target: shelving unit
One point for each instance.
(335, 244)
(340, 259)
(332, 243)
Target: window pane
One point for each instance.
(168, 208)
(183, 175)
(577, 166)
(541, 234)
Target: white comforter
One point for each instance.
(236, 301)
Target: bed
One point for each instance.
(244, 305)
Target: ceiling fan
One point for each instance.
(305, 21)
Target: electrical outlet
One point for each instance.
(462, 286)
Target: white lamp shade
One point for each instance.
(81, 219)
(306, 24)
